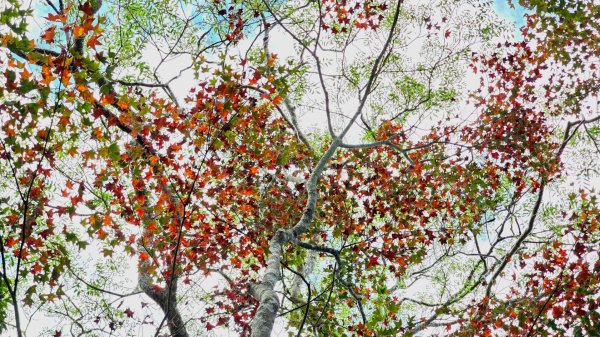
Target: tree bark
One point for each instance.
(166, 300)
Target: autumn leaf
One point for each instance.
(557, 312)
(25, 74)
(129, 313)
(49, 34)
(123, 105)
(93, 42)
(78, 31)
(277, 100)
(271, 60)
(36, 269)
(107, 99)
(373, 261)
(56, 18)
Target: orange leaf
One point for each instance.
(42, 134)
(10, 242)
(56, 18)
(123, 105)
(36, 269)
(49, 34)
(144, 256)
(277, 100)
(78, 31)
(271, 60)
(97, 133)
(25, 75)
(107, 99)
(101, 234)
(66, 77)
(152, 227)
(24, 253)
(93, 42)
(47, 76)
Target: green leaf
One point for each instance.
(114, 152)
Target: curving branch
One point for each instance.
(264, 292)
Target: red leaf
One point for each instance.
(557, 311)
(87, 8)
(128, 312)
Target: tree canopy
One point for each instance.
(299, 168)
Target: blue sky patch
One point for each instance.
(514, 15)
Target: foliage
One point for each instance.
(416, 206)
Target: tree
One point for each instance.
(413, 210)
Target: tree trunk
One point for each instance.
(166, 300)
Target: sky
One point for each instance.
(514, 15)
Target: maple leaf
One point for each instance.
(107, 99)
(87, 8)
(78, 31)
(93, 42)
(557, 312)
(373, 261)
(143, 256)
(56, 18)
(271, 60)
(129, 313)
(25, 74)
(66, 77)
(140, 212)
(122, 104)
(47, 76)
(10, 242)
(49, 34)
(23, 253)
(36, 269)
(101, 234)
(277, 100)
